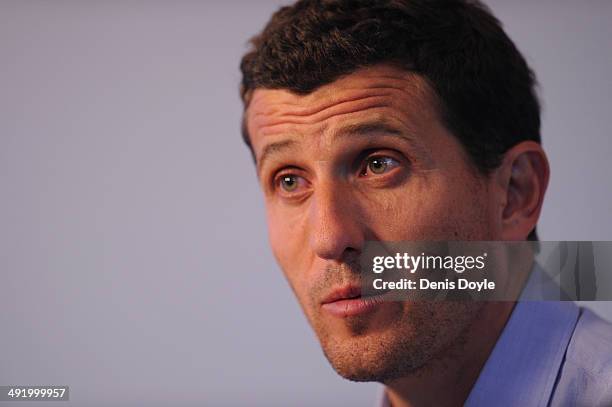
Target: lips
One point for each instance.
(347, 301)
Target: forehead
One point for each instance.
(380, 93)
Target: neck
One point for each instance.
(448, 379)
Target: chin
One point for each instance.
(374, 357)
(395, 350)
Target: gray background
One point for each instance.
(133, 257)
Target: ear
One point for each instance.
(523, 178)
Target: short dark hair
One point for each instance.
(484, 89)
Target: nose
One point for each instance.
(336, 226)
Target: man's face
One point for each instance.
(365, 158)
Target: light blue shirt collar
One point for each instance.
(524, 364)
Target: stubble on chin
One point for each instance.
(427, 333)
(383, 348)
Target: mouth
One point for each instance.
(347, 301)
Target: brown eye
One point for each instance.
(379, 165)
(289, 182)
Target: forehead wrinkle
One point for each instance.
(308, 104)
(380, 77)
(272, 125)
(284, 109)
(307, 112)
(265, 126)
(287, 138)
(375, 122)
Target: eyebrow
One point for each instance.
(273, 148)
(368, 128)
(358, 129)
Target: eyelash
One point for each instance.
(378, 157)
(367, 161)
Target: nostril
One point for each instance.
(335, 228)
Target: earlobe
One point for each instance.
(524, 174)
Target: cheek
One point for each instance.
(433, 208)
(462, 210)
(276, 237)
(285, 234)
(286, 238)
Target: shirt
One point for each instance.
(549, 354)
